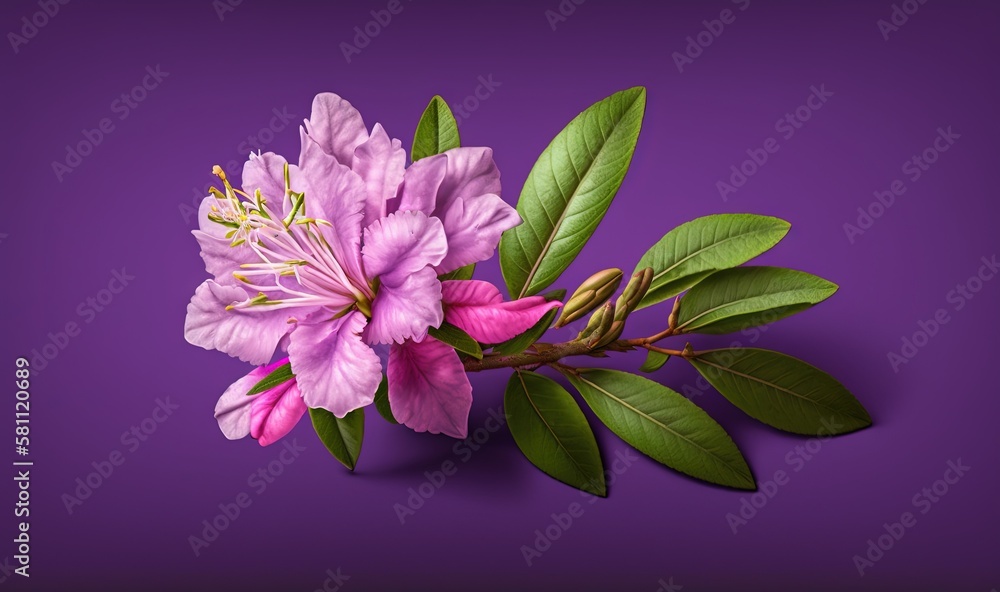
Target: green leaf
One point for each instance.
(654, 361)
(734, 299)
(782, 391)
(693, 250)
(664, 425)
(342, 437)
(523, 341)
(462, 273)
(569, 190)
(436, 132)
(281, 374)
(552, 432)
(382, 401)
(457, 338)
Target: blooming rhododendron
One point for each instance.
(341, 252)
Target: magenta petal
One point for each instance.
(275, 412)
(248, 334)
(336, 127)
(473, 226)
(477, 308)
(380, 163)
(334, 369)
(428, 388)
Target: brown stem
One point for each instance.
(552, 354)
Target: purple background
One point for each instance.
(124, 205)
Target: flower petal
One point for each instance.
(275, 412)
(233, 409)
(205, 225)
(339, 198)
(400, 250)
(473, 226)
(334, 369)
(428, 388)
(460, 187)
(248, 334)
(477, 308)
(266, 172)
(380, 162)
(313, 162)
(336, 127)
(405, 306)
(421, 183)
(403, 243)
(222, 259)
(471, 172)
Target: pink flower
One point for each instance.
(267, 416)
(428, 388)
(341, 252)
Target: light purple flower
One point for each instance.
(338, 253)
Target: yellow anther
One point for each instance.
(218, 172)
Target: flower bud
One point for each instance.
(626, 303)
(633, 293)
(606, 319)
(614, 332)
(592, 324)
(593, 292)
